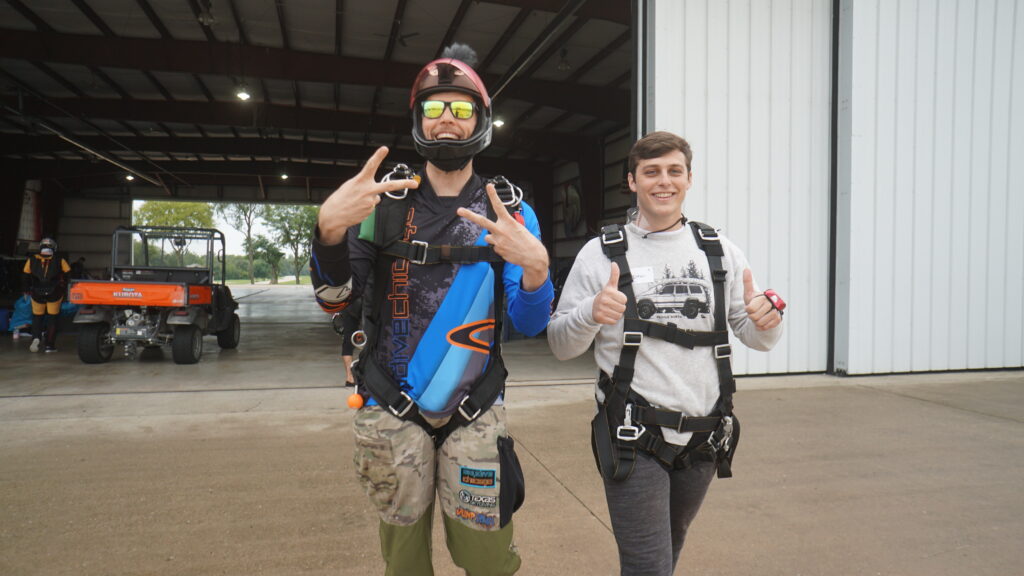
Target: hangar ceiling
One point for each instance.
(151, 85)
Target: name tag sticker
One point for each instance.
(643, 274)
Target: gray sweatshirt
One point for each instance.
(672, 281)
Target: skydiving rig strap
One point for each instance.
(389, 235)
(626, 422)
(391, 224)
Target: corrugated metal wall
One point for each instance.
(931, 228)
(86, 227)
(747, 83)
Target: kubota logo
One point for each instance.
(127, 292)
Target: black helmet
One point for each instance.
(451, 73)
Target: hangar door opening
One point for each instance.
(215, 102)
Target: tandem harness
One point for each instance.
(625, 421)
(387, 231)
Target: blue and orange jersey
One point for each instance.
(436, 321)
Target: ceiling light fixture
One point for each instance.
(242, 91)
(129, 177)
(498, 122)
(284, 176)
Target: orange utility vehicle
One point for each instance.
(153, 298)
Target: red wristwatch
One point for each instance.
(776, 301)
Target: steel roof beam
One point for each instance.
(198, 57)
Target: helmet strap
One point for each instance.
(451, 164)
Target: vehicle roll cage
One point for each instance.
(145, 234)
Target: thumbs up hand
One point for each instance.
(759, 308)
(609, 304)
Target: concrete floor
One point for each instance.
(241, 465)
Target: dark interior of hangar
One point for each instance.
(95, 91)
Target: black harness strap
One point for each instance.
(388, 236)
(675, 335)
(708, 241)
(390, 396)
(422, 253)
(637, 424)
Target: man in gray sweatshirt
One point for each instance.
(679, 371)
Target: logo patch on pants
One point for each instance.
(475, 517)
(478, 478)
(468, 497)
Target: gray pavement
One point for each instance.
(241, 464)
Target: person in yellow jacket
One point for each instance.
(44, 283)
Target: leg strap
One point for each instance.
(392, 398)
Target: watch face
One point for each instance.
(572, 210)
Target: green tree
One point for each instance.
(176, 214)
(243, 217)
(269, 253)
(292, 226)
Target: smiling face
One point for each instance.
(660, 185)
(447, 126)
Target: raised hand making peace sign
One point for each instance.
(512, 241)
(355, 199)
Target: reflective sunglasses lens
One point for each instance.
(433, 109)
(462, 110)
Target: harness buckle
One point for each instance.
(627, 432)
(710, 235)
(462, 412)
(632, 338)
(401, 171)
(722, 351)
(724, 434)
(421, 246)
(608, 239)
(403, 411)
(682, 421)
(509, 194)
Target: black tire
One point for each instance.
(187, 346)
(94, 345)
(228, 338)
(691, 309)
(646, 309)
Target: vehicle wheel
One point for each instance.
(94, 345)
(228, 337)
(187, 346)
(690, 310)
(646, 309)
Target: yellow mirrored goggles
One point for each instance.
(433, 109)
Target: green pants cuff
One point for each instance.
(482, 553)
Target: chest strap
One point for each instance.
(423, 253)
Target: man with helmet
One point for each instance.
(44, 275)
(447, 253)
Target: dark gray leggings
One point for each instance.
(651, 512)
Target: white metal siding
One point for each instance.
(931, 242)
(86, 227)
(747, 83)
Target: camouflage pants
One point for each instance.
(401, 471)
